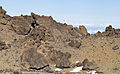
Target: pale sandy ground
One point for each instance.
(100, 50)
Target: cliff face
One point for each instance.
(40, 43)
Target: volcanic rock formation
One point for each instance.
(35, 43)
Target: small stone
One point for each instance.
(115, 47)
(85, 62)
(1, 71)
(115, 69)
(3, 45)
(74, 44)
(48, 70)
(16, 72)
(58, 72)
(76, 64)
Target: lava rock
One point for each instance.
(38, 33)
(115, 47)
(89, 65)
(34, 59)
(109, 28)
(74, 44)
(59, 58)
(20, 25)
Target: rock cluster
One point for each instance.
(35, 38)
(109, 31)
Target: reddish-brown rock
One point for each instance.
(83, 29)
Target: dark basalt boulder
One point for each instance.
(34, 59)
(60, 59)
(89, 65)
(38, 61)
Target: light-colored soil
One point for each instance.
(100, 50)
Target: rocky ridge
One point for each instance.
(39, 43)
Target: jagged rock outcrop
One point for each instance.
(83, 30)
(34, 35)
(2, 11)
(109, 28)
(57, 29)
(109, 31)
(3, 17)
(20, 25)
(39, 42)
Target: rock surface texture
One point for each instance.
(39, 43)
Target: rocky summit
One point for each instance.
(35, 43)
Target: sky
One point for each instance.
(94, 14)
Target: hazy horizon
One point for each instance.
(94, 14)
